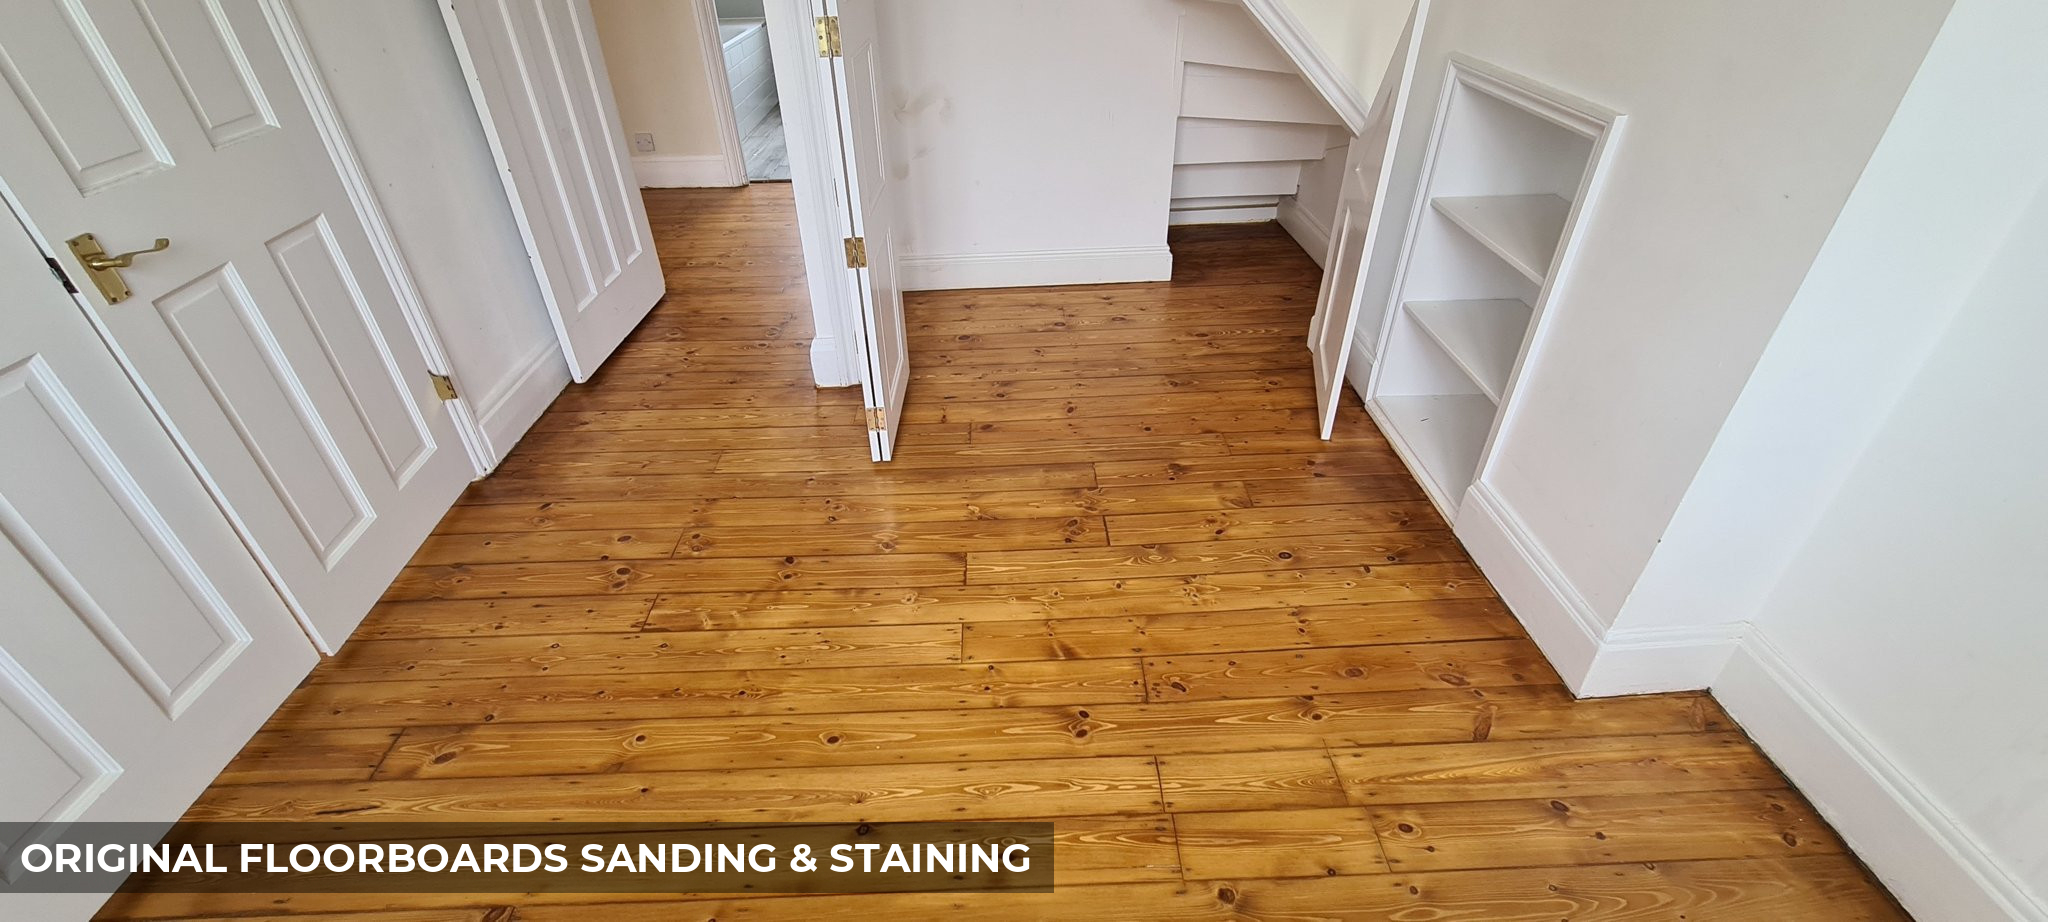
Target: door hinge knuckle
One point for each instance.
(444, 387)
(58, 271)
(878, 419)
(856, 252)
(828, 36)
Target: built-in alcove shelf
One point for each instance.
(1520, 229)
(1440, 437)
(1481, 337)
(1490, 225)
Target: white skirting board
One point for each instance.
(1311, 232)
(507, 412)
(1592, 659)
(1931, 864)
(830, 364)
(676, 171)
(1036, 267)
(1255, 214)
(1927, 861)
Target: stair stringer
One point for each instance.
(1322, 74)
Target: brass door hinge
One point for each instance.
(828, 36)
(856, 252)
(878, 419)
(444, 386)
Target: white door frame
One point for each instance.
(721, 92)
(810, 127)
(356, 181)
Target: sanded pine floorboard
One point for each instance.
(970, 388)
(1077, 599)
(976, 457)
(1018, 409)
(1823, 887)
(507, 617)
(1112, 580)
(1364, 722)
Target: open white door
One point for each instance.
(540, 85)
(140, 645)
(264, 330)
(850, 82)
(1359, 209)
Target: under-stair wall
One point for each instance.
(1248, 122)
(1059, 155)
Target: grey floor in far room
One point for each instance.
(767, 154)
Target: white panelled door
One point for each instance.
(140, 645)
(851, 81)
(1359, 206)
(267, 333)
(1332, 331)
(539, 81)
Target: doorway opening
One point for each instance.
(750, 85)
(666, 60)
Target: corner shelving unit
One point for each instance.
(1509, 168)
(1482, 337)
(1521, 229)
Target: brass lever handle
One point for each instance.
(124, 260)
(102, 266)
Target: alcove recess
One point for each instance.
(1509, 170)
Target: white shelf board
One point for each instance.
(1482, 337)
(1521, 229)
(1440, 438)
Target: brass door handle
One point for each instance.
(102, 266)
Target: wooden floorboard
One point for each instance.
(1112, 580)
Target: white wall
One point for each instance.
(401, 93)
(1891, 445)
(1914, 612)
(1859, 342)
(1031, 141)
(1932, 206)
(740, 9)
(655, 53)
(1749, 122)
(1357, 36)
(1311, 211)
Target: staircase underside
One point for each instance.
(1249, 123)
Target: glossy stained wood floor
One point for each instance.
(1113, 580)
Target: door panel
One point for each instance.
(539, 81)
(1359, 210)
(141, 643)
(226, 340)
(68, 507)
(194, 37)
(1332, 332)
(267, 335)
(55, 770)
(856, 89)
(311, 263)
(78, 95)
